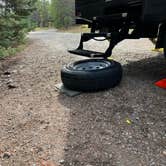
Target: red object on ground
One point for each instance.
(161, 83)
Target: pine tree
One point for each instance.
(62, 12)
(42, 15)
(14, 21)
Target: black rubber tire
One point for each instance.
(92, 80)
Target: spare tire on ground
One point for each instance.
(91, 75)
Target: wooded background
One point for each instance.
(17, 17)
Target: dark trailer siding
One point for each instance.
(152, 10)
(89, 8)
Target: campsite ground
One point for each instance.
(124, 126)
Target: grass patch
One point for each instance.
(41, 28)
(11, 51)
(72, 29)
(76, 29)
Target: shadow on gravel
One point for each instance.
(98, 133)
(148, 69)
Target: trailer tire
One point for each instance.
(91, 75)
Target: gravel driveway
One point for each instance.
(125, 126)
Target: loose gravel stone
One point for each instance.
(6, 155)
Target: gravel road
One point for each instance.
(124, 126)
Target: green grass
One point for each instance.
(41, 28)
(11, 51)
(76, 29)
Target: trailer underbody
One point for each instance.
(112, 20)
(118, 20)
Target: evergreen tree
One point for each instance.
(42, 14)
(62, 12)
(14, 21)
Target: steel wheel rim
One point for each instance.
(91, 65)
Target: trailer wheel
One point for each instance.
(91, 75)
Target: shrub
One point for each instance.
(14, 24)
